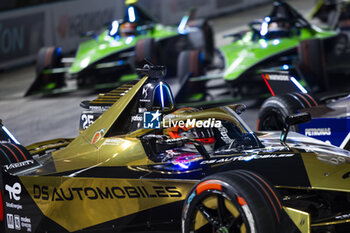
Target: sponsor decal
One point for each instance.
(14, 191)
(10, 221)
(224, 135)
(246, 158)
(19, 164)
(99, 108)
(94, 193)
(26, 223)
(151, 120)
(112, 141)
(318, 131)
(145, 98)
(277, 77)
(341, 217)
(97, 136)
(14, 206)
(145, 91)
(331, 158)
(136, 118)
(17, 222)
(8, 141)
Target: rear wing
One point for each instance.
(98, 106)
(281, 82)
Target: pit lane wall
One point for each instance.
(23, 32)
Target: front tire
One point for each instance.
(274, 110)
(238, 201)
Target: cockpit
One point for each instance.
(283, 21)
(167, 132)
(191, 134)
(136, 20)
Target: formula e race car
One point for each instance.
(334, 13)
(330, 111)
(284, 39)
(109, 59)
(145, 166)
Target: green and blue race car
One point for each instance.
(283, 39)
(110, 58)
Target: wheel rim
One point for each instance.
(215, 213)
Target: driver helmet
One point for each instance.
(128, 29)
(279, 26)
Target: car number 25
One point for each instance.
(86, 120)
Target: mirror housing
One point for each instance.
(298, 118)
(85, 104)
(294, 120)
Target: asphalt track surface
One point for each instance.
(33, 119)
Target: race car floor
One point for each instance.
(33, 119)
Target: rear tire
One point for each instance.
(235, 201)
(275, 109)
(48, 58)
(208, 35)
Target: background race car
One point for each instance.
(109, 59)
(333, 13)
(283, 39)
(330, 111)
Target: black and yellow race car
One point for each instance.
(145, 166)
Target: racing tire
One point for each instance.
(146, 49)
(208, 35)
(235, 201)
(274, 110)
(190, 64)
(48, 58)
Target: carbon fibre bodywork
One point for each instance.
(110, 179)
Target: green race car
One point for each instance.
(284, 39)
(109, 59)
(334, 13)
